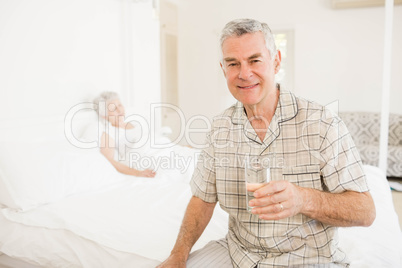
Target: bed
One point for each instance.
(63, 206)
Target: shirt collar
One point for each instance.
(285, 110)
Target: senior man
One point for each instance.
(317, 182)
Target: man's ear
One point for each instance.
(223, 69)
(278, 60)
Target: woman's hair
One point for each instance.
(243, 26)
(102, 99)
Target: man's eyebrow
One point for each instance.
(229, 59)
(254, 56)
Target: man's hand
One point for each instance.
(277, 200)
(281, 199)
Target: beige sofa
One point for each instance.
(365, 130)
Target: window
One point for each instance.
(284, 41)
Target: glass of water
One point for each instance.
(257, 174)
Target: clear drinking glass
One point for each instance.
(257, 174)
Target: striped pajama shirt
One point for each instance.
(307, 145)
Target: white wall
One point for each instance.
(57, 53)
(146, 88)
(338, 53)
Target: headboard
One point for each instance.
(365, 130)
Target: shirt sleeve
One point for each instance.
(341, 165)
(203, 182)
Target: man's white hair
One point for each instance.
(240, 27)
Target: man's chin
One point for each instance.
(248, 102)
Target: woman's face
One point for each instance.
(115, 111)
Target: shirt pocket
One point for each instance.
(308, 176)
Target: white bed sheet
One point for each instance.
(379, 245)
(8, 262)
(143, 217)
(43, 247)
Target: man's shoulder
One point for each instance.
(307, 104)
(229, 111)
(224, 119)
(310, 110)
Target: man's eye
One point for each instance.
(232, 64)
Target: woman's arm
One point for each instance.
(108, 150)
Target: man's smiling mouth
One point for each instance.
(248, 87)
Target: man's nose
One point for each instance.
(245, 72)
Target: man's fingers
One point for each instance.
(272, 212)
(268, 199)
(271, 188)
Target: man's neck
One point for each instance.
(260, 114)
(266, 108)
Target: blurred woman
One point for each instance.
(118, 134)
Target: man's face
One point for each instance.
(248, 68)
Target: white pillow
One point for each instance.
(35, 173)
